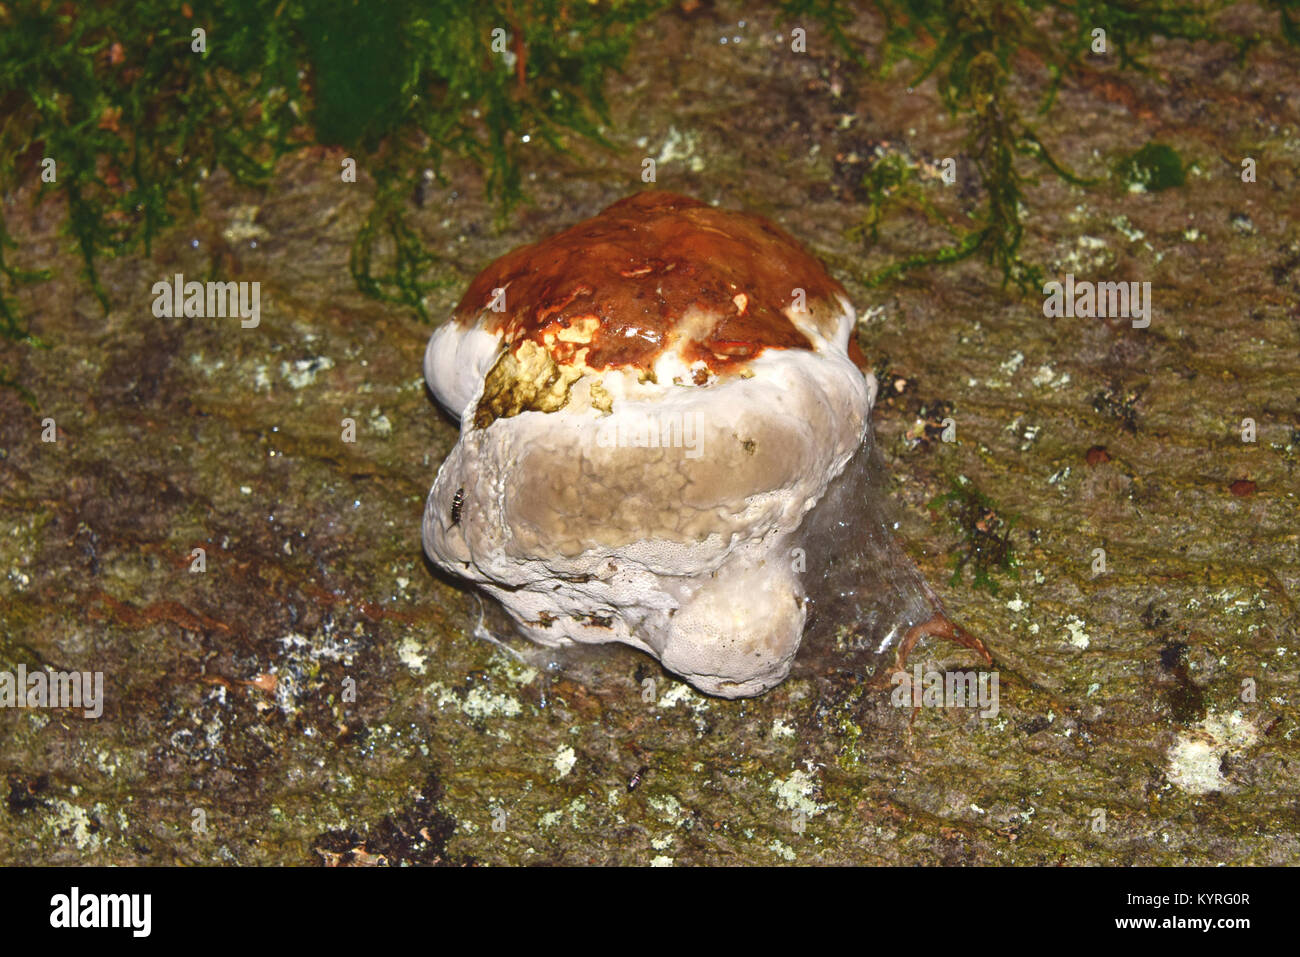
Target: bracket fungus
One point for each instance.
(665, 441)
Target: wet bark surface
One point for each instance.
(1147, 713)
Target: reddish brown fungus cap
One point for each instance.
(619, 286)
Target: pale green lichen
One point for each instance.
(70, 821)
(1077, 637)
(478, 703)
(781, 849)
(795, 793)
(669, 807)
(781, 730)
(482, 703)
(410, 652)
(302, 372)
(1196, 756)
(565, 759)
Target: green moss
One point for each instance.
(972, 48)
(361, 58)
(986, 545)
(1152, 168)
(135, 118)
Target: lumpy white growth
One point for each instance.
(680, 542)
(658, 449)
(717, 553)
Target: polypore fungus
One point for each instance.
(651, 402)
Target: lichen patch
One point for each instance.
(1196, 756)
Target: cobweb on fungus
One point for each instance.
(863, 591)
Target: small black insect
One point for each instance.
(457, 501)
(636, 778)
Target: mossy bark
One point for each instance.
(1124, 733)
